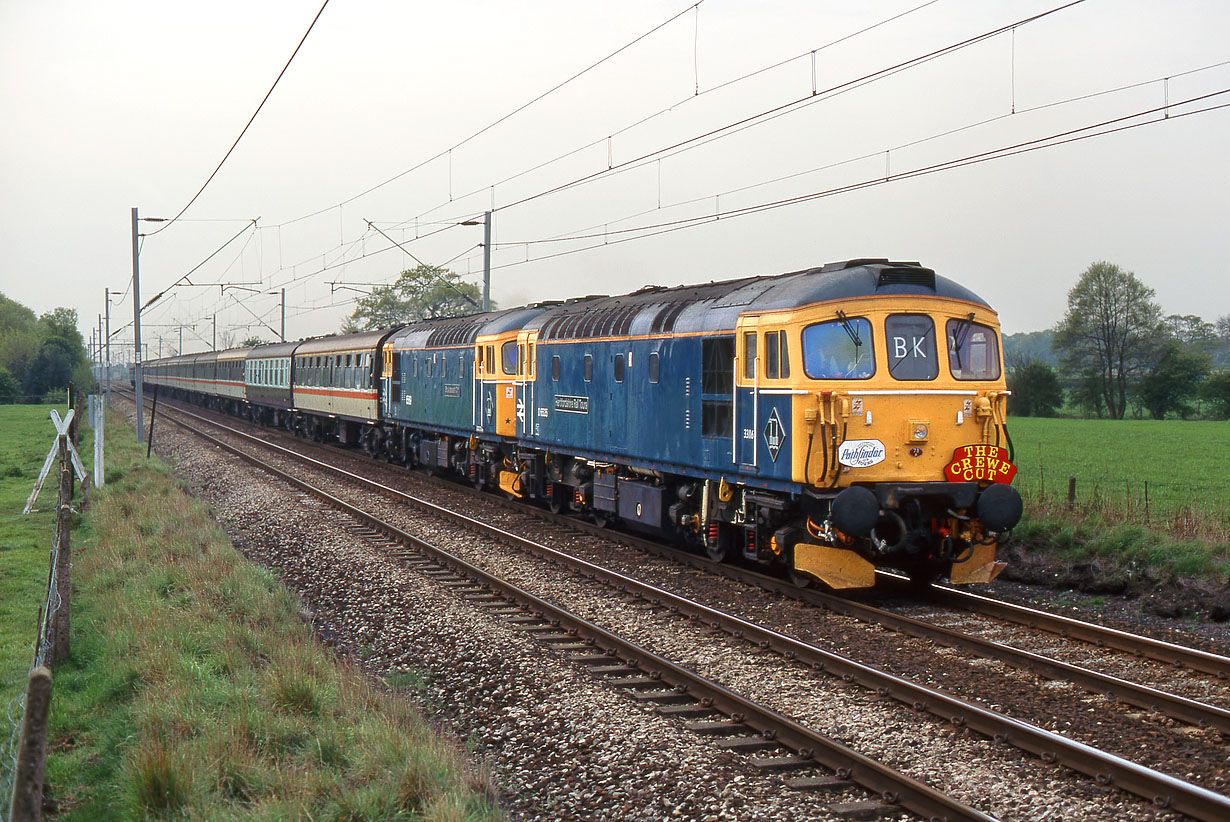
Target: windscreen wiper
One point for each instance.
(851, 331)
(959, 336)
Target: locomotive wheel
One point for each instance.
(555, 504)
(717, 551)
(921, 576)
(601, 518)
(799, 579)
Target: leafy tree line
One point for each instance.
(1115, 352)
(39, 355)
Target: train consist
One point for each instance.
(828, 421)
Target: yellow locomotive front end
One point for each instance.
(899, 436)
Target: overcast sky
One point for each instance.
(119, 104)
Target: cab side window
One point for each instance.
(777, 355)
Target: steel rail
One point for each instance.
(1163, 790)
(892, 787)
(1099, 635)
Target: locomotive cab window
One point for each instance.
(508, 358)
(973, 350)
(749, 355)
(840, 349)
(911, 347)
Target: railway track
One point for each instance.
(1152, 699)
(1106, 769)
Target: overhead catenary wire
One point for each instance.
(572, 236)
(1050, 141)
(446, 152)
(248, 125)
(674, 107)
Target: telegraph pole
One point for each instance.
(107, 298)
(487, 261)
(136, 322)
(283, 315)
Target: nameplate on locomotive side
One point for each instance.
(980, 463)
(571, 405)
(861, 453)
(451, 390)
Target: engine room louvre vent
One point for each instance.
(924, 277)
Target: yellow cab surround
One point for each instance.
(867, 427)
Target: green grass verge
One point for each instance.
(194, 690)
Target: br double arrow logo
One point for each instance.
(774, 434)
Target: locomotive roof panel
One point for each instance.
(453, 331)
(716, 306)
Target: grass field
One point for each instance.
(193, 688)
(1186, 464)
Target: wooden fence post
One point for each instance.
(27, 800)
(58, 626)
(1071, 491)
(153, 411)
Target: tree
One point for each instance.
(10, 389)
(1215, 390)
(1192, 331)
(423, 292)
(1111, 328)
(1174, 380)
(1221, 357)
(251, 342)
(1035, 390)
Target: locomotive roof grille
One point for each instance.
(919, 276)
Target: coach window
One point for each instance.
(839, 350)
(619, 368)
(555, 367)
(589, 368)
(655, 367)
(749, 355)
(911, 347)
(973, 350)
